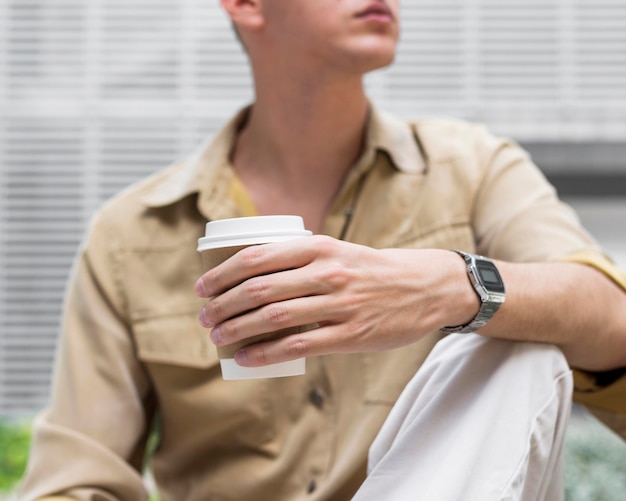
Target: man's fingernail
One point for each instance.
(200, 290)
(204, 321)
(216, 336)
(241, 357)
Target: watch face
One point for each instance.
(490, 276)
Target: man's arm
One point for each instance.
(89, 442)
(571, 305)
(369, 300)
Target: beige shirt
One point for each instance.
(132, 347)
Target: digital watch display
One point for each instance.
(489, 275)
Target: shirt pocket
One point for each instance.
(195, 403)
(175, 339)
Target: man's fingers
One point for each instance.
(305, 344)
(254, 261)
(261, 290)
(274, 317)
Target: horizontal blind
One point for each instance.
(41, 223)
(95, 94)
(539, 70)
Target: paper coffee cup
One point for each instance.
(223, 239)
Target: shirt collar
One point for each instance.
(198, 172)
(398, 139)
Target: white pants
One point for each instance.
(482, 420)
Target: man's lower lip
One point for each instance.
(376, 16)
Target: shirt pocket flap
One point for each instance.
(175, 340)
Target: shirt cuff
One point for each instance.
(605, 399)
(600, 262)
(604, 391)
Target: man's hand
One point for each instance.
(362, 299)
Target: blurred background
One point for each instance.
(95, 94)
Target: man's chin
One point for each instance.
(372, 55)
(376, 63)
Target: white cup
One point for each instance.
(223, 239)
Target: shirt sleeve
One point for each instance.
(89, 443)
(518, 217)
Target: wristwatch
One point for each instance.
(487, 282)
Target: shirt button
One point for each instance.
(312, 486)
(316, 396)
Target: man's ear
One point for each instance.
(244, 13)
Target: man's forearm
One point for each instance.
(571, 305)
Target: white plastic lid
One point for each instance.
(250, 231)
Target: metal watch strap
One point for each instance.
(490, 301)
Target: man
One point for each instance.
(484, 416)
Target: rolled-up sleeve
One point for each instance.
(519, 217)
(89, 444)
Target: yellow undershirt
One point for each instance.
(240, 195)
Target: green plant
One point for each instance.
(595, 463)
(14, 445)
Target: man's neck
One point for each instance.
(298, 132)
(299, 142)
